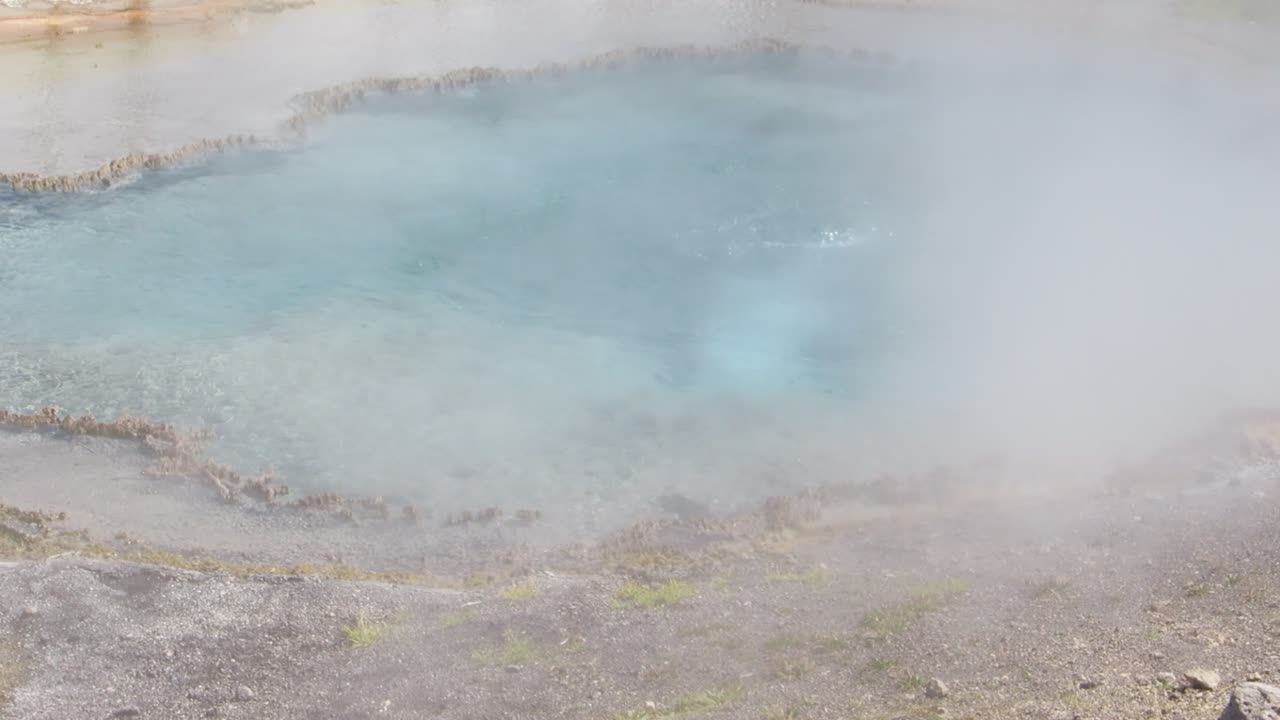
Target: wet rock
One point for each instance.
(1253, 701)
(936, 689)
(1202, 679)
(244, 693)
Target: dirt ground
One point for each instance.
(935, 597)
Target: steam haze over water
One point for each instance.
(727, 278)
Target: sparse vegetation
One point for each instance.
(791, 668)
(788, 712)
(651, 596)
(689, 705)
(878, 667)
(362, 634)
(1051, 588)
(454, 619)
(816, 577)
(783, 643)
(10, 673)
(829, 645)
(896, 618)
(1196, 589)
(516, 650)
(653, 560)
(520, 592)
(913, 682)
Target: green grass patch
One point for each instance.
(516, 650)
(913, 682)
(521, 591)
(362, 634)
(454, 619)
(647, 597)
(896, 618)
(689, 705)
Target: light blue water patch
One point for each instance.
(602, 285)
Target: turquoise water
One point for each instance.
(594, 289)
(635, 279)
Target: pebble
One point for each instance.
(127, 712)
(244, 693)
(1166, 678)
(936, 689)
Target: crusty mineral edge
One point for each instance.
(316, 105)
(21, 25)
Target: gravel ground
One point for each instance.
(1080, 600)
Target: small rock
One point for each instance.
(1253, 677)
(936, 689)
(128, 712)
(244, 693)
(1253, 701)
(1201, 679)
(1166, 678)
(30, 611)
(1090, 684)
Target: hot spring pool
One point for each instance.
(584, 290)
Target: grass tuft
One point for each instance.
(688, 705)
(651, 596)
(896, 618)
(816, 577)
(515, 650)
(521, 591)
(913, 682)
(362, 635)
